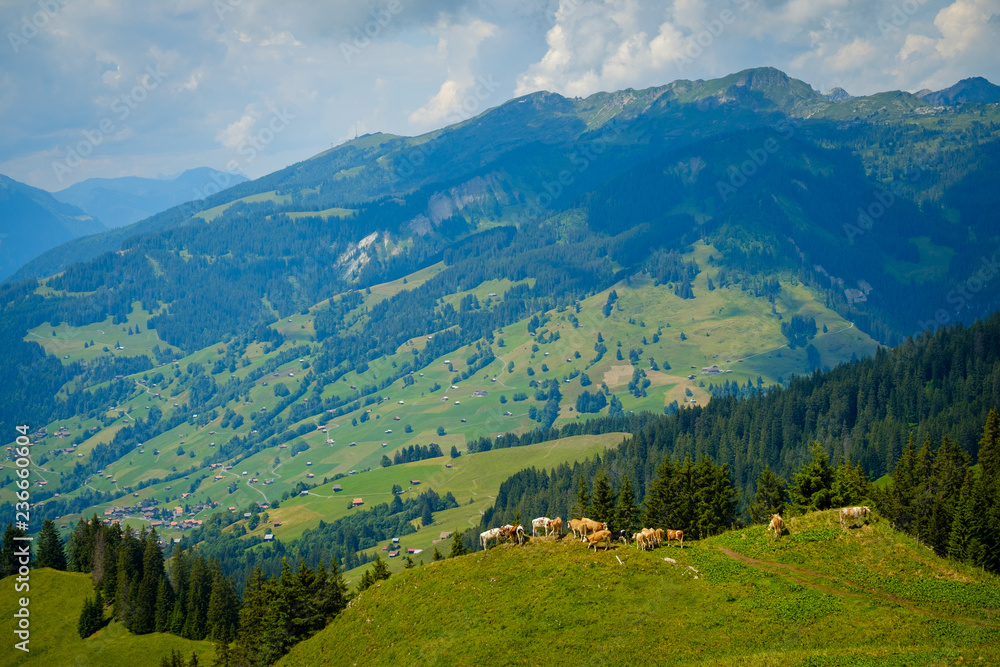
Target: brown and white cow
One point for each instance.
(599, 537)
(541, 522)
(591, 526)
(854, 514)
(576, 525)
(777, 525)
(675, 536)
(491, 535)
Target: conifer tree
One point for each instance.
(91, 616)
(148, 587)
(769, 498)
(658, 512)
(963, 527)
(199, 591)
(603, 505)
(626, 513)
(457, 546)
(9, 561)
(164, 605)
(50, 547)
(812, 485)
(223, 607)
(582, 505)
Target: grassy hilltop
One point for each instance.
(819, 596)
(56, 599)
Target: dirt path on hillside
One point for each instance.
(798, 574)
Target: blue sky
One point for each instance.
(151, 88)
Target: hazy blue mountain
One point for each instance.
(975, 89)
(121, 201)
(32, 221)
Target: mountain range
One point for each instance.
(118, 202)
(550, 260)
(33, 221)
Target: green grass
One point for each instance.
(66, 342)
(56, 599)
(472, 476)
(819, 596)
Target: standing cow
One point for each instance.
(854, 514)
(777, 525)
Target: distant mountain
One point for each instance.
(121, 201)
(837, 95)
(976, 89)
(32, 221)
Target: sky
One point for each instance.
(107, 88)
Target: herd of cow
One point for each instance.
(596, 533)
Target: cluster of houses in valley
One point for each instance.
(176, 518)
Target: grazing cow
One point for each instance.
(491, 535)
(576, 525)
(647, 538)
(675, 536)
(777, 525)
(513, 532)
(601, 536)
(854, 514)
(541, 522)
(591, 526)
(658, 536)
(620, 536)
(640, 541)
(555, 527)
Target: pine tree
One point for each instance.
(582, 505)
(457, 546)
(812, 485)
(331, 592)
(851, 486)
(148, 587)
(603, 504)
(626, 513)
(963, 526)
(91, 617)
(199, 591)
(436, 556)
(770, 497)
(9, 561)
(50, 547)
(989, 447)
(222, 657)
(223, 607)
(658, 511)
(164, 605)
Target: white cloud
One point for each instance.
(456, 99)
(429, 63)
